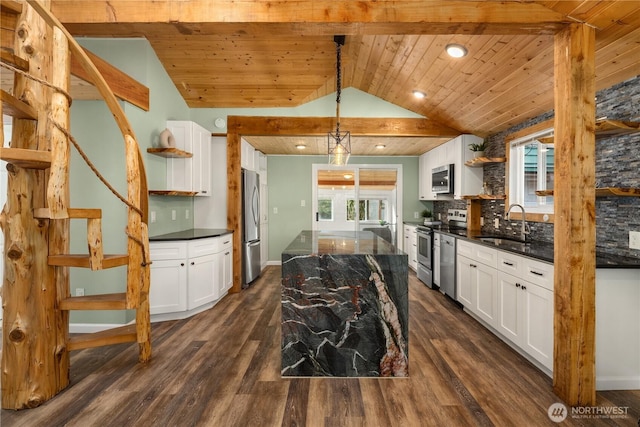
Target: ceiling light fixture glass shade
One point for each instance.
(419, 94)
(456, 50)
(338, 144)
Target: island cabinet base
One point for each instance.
(345, 315)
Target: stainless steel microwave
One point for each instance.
(442, 179)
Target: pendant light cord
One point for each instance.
(338, 84)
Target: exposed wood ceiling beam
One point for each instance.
(268, 126)
(123, 86)
(307, 17)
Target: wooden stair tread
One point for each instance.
(115, 301)
(11, 6)
(83, 260)
(107, 337)
(13, 107)
(74, 213)
(27, 159)
(11, 59)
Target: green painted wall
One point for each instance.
(94, 128)
(290, 181)
(97, 133)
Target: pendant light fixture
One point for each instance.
(338, 144)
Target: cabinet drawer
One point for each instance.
(510, 263)
(479, 253)
(465, 248)
(202, 247)
(225, 242)
(538, 272)
(168, 250)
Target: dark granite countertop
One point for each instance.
(541, 250)
(191, 234)
(340, 243)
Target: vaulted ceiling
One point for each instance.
(281, 53)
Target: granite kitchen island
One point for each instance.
(345, 308)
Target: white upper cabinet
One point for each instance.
(466, 180)
(247, 156)
(191, 174)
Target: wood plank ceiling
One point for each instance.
(506, 78)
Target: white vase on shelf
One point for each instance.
(166, 139)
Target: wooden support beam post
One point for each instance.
(234, 200)
(575, 229)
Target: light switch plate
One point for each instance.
(634, 239)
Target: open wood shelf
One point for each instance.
(170, 152)
(481, 161)
(607, 128)
(603, 192)
(485, 197)
(172, 193)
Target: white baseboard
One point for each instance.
(274, 262)
(617, 383)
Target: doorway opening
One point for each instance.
(358, 198)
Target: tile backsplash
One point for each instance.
(617, 165)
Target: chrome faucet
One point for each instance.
(523, 230)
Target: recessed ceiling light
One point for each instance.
(380, 146)
(456, 50)
(419, 94)
(301, 146)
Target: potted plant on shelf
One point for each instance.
(427, 215)
(478, 149)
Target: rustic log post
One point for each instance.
(34, 357)
(574, 232)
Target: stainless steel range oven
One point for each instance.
(425, 255)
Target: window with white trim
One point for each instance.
(325, 209)
(531, 169)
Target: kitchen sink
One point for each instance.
(500, 239)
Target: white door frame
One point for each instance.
(397, 221)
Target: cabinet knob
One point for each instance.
(182, 264)
(226, 253)
(517, 285)
(524, 288)
(193, 263)
(510, 264)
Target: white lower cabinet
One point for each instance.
(511, 294)
(411, 245)
(525, 316)
(478, 288)
(436, 259)
(189, 275)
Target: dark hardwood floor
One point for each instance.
(222, 368)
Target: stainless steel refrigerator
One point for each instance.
(250, 227)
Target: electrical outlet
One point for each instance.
(79, 292)
(634, 240)
(481, 221)
(416, 215)
(496, 223)
(275, 210)
(153, 216)
(303, 203)
(186, 214)
(173, 215)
